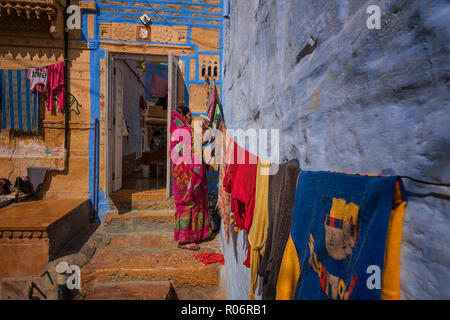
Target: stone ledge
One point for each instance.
(153, 290)
(34, 233)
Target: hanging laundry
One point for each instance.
(213, 108)
(223, 199)
(56, 82)
(38, 78)
(241, 184)
(240, 181)
(214, 122)
(341, 225)
(142, 102)
(211, 101)
(152, 69)
(125, 128)
(258, 232)
(282, 187)
(20, 106)
(159, 86)
(289, 272)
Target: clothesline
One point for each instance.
(426, 182)
(256, 200)
(137, 77)
(417, 180)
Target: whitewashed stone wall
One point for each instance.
(365, 101)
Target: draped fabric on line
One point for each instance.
(341, 224)
(282, 187)
(159, 86)
(192, 221)
(258, 232)
(223, 197)
(213, 109)
(20, 107)
(240, 182)
(56, 82)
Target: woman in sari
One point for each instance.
(190, 188)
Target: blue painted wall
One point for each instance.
(365, 101)
(116, 11)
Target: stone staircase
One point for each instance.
(137, 258)
(129, 199)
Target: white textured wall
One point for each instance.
(365, 101)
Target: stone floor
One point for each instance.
(137, 181)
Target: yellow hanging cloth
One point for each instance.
(390, 281)
(258, 231)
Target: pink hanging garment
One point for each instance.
(158, 86)
(56, 82)
(213, 104)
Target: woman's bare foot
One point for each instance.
(189, 246)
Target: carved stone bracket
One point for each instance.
(32, 10)
(23, 234)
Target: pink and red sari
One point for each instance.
(190, 187)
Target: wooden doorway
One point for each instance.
(114, 83)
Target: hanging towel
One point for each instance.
(240, 181)
(20, 107)
(159, 86)
(282, 187)
(56, 82)
(340, 227)
(258, 231)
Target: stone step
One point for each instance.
(129, 199)
(153, 290)
(124, 195)
(138, 221)
(123, 265)
(185, 292)
(147, 240)
(139, 216)
(140, 290)
(123, 207)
